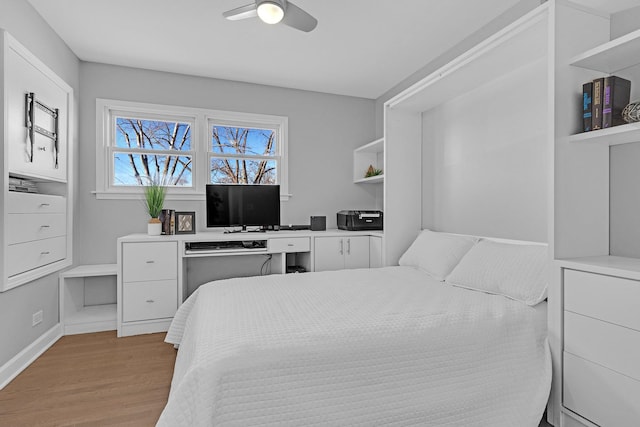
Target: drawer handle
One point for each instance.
(151, 261)
(289, 244)
(45, 253)
(150, 301)
(45, 204)
(45, 226)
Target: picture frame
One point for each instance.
(185, 223)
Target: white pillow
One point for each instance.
(519, 272)
(437, 253)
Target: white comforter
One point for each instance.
(365, 347)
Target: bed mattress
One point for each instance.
(386, 346)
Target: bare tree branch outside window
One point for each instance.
(243, 155)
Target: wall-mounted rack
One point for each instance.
(30, 104)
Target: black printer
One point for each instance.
(360, 220)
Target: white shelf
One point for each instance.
(613, 56)
(75, 316)
(522, 43)
(365, 155)
(616, 135)
(370, 180)
(91, 270)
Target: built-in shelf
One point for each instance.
(612, 56)
(371, 154)
(370, 180)
(75, 316)
(93, 314)
(616, 135)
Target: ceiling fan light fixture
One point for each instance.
(270, 12)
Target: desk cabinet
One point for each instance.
(148, 289)
(337, 253)
(601, 348)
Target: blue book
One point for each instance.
(587, 92)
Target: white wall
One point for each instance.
(624, 183)
(18, 304)
(323, 131)
(482, 174)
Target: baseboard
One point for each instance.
(22, 360)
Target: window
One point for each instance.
(241, 155)
(147, 149)
(185, 148)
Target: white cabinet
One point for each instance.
(601, 377)
(43, 152)
(337, 253)
(36, 239)
(148, 286)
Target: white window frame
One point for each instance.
(257, 121)
(107, 109)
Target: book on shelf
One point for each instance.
(587, 96)
(616, 94)
(596, 104)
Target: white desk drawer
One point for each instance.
(607, 298)
(604, 343)
(149, 261)
(23, 257)
(600, 395)
(149, 300)
(29, 227)
(35, 203)
(291, 244)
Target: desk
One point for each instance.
(157, 273)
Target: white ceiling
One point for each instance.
(359, 48)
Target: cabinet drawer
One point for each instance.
(149, 261)
(295, 244)
(149, 300)
(604, 343)
(36, 203)
(29, 227)
(607, 298)
(22, 257)
(600, 395)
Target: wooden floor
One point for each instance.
(92, 380)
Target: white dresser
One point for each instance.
(148, 289)
(601, 351)
(36, 232)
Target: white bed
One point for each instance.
(389, 346)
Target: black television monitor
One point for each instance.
(238, 205)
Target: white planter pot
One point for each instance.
(154, 228)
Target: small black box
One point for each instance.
(318, 223)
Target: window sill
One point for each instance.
(135, 195)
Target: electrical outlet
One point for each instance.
(36, 318)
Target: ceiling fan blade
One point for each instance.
(298, 18)
(242, 12)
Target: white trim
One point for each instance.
(200, 118)
(27, 356)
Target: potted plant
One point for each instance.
(154, 200)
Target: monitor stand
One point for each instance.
(244, 230)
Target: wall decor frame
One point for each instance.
(185, 222)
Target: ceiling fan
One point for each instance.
(273, 12)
